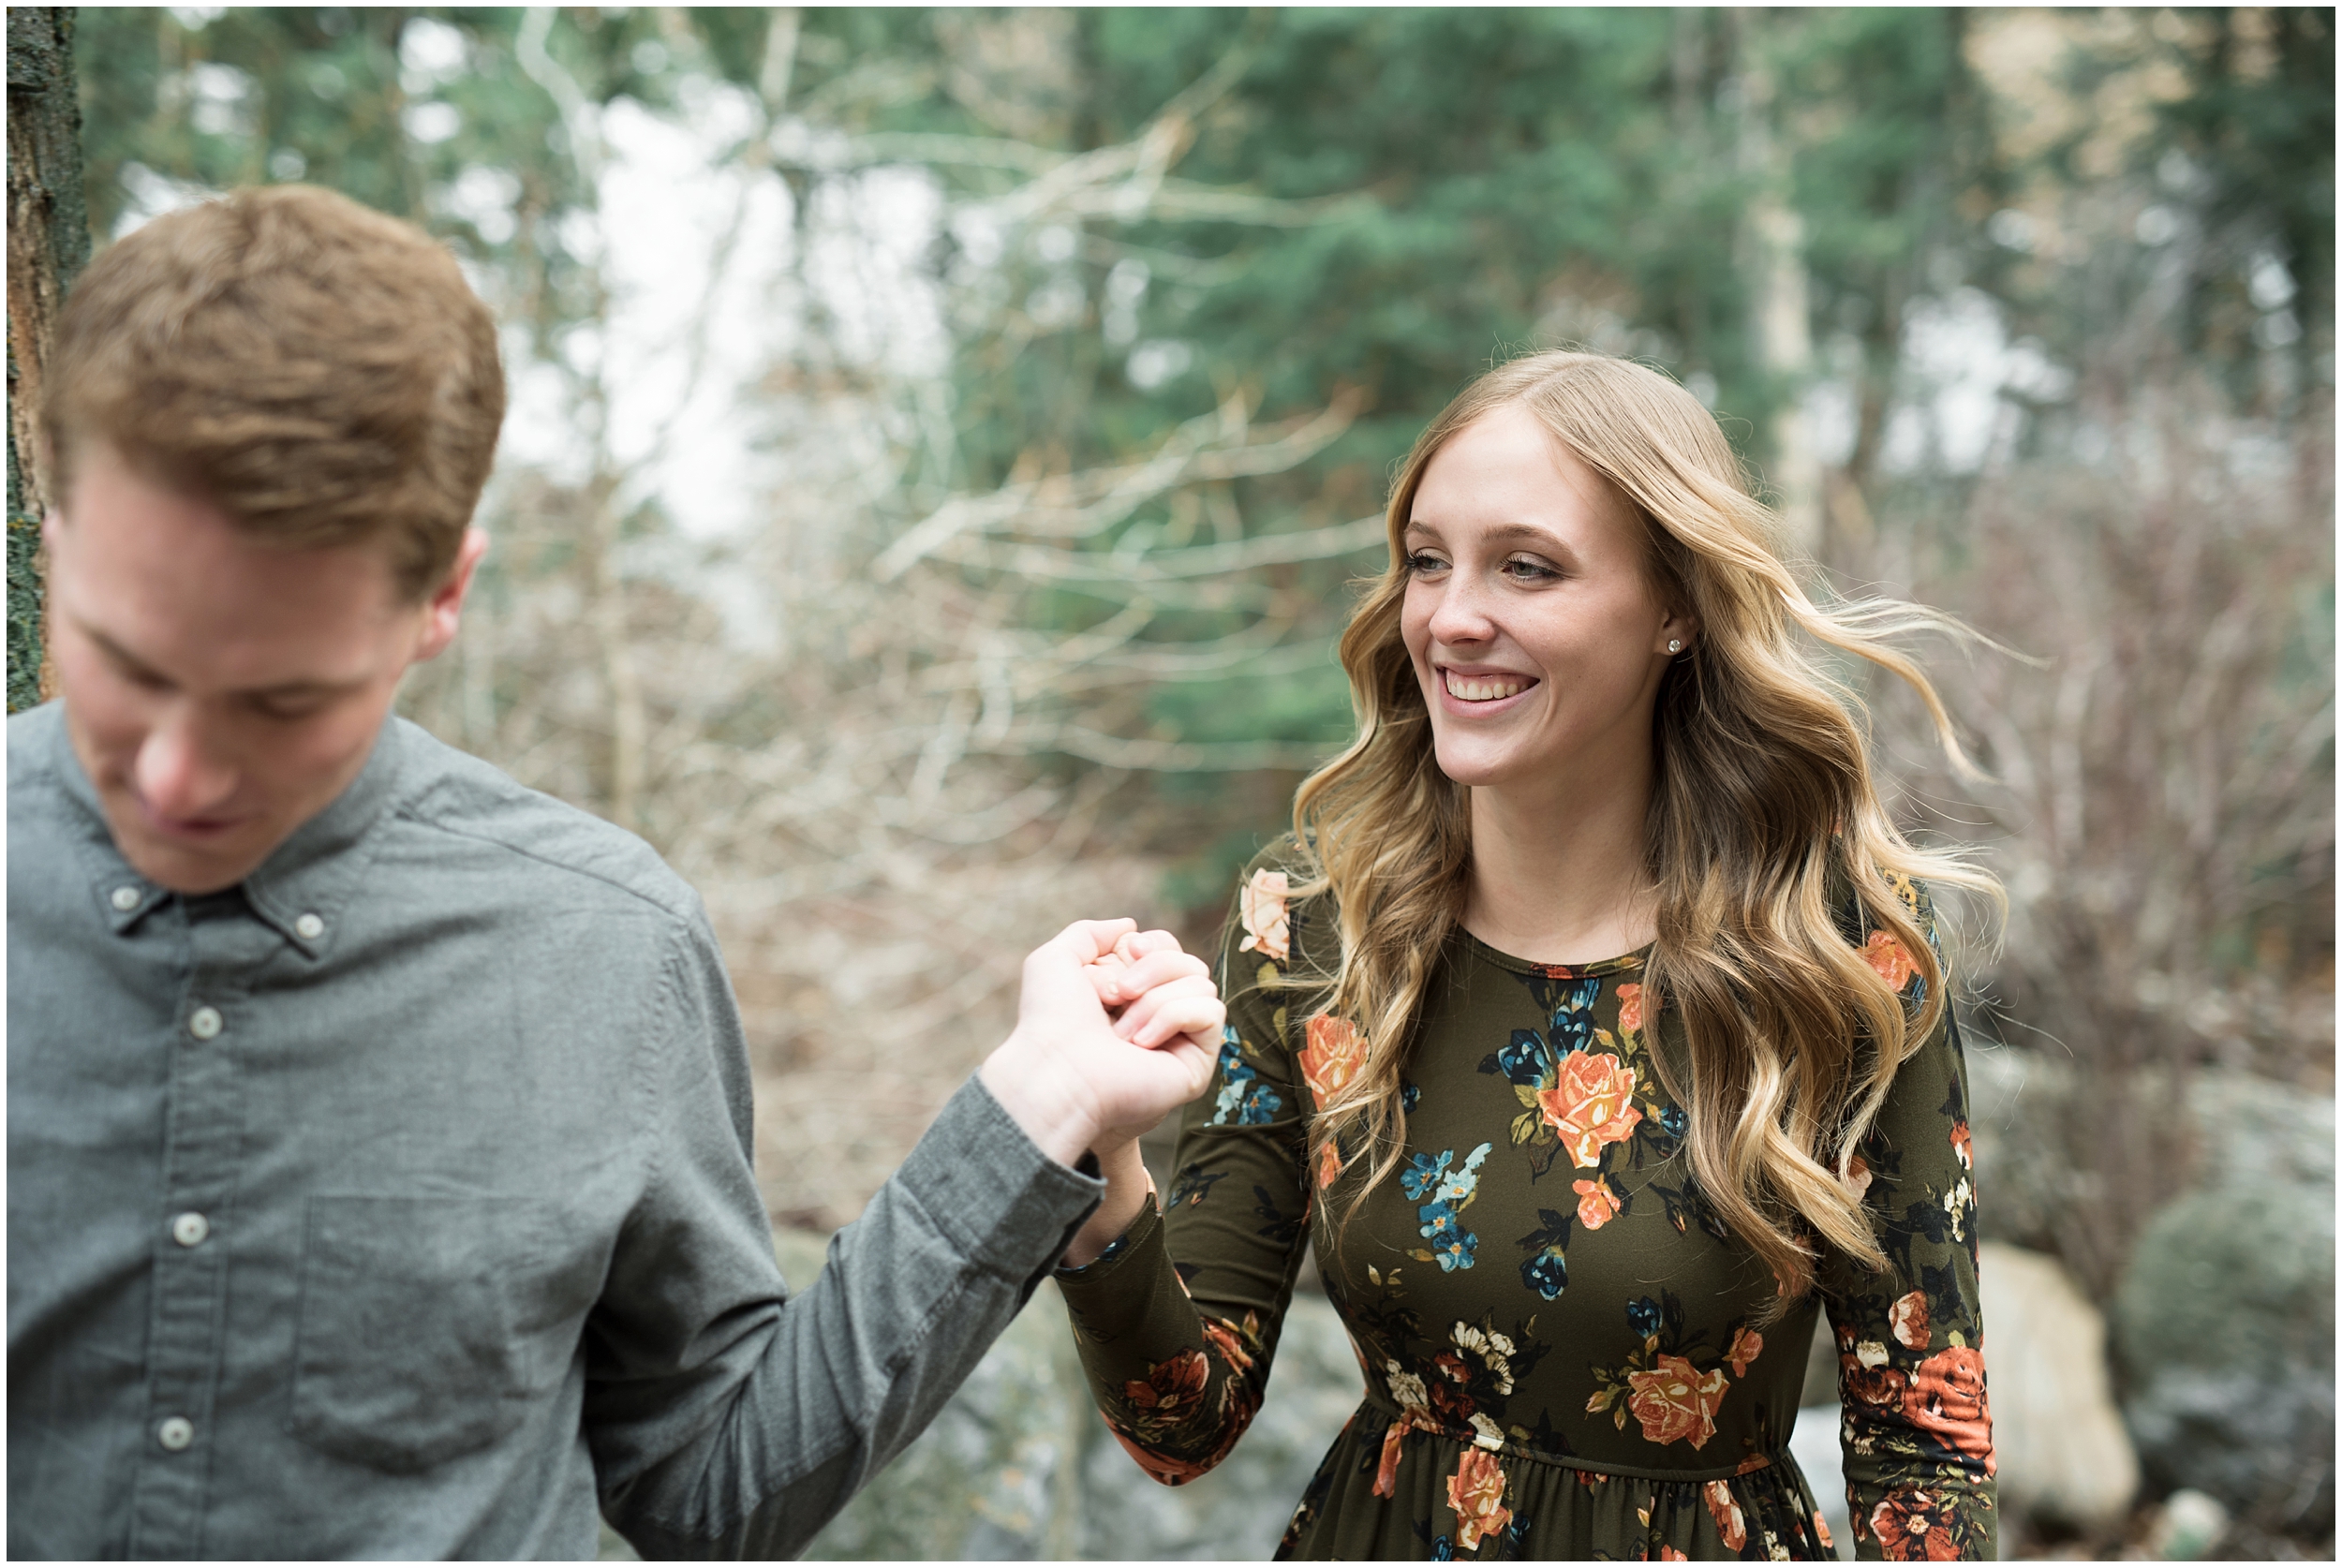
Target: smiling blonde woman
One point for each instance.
(1592, 1026)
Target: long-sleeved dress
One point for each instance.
(1559, 1336)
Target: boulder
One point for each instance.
(2224, 1333)
(2063, 1452)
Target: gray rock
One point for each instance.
(2223, 1324)
(2062, 1449)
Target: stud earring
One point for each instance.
(1675, 644)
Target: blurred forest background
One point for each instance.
(942, 439)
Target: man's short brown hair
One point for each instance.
(320, 372)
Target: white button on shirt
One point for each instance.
(174, 1433)
(206, 1023)
(125, 898)
(311, 926)
(190, 1229)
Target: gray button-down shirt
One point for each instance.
(397, 1203)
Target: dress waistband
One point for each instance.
(1383, 1414)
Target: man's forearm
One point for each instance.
(855, 1366)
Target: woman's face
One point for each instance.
(1532, 625)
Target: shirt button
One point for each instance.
(206, 1023)
(125, 898)
(174, 1433)
(311, 926)
(190, 1229)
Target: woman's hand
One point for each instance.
(1074, 1078)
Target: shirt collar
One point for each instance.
(303, 886)
(307, 882)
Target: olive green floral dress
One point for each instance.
(1559, 1336)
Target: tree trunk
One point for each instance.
(48, 243)
(1783, 305)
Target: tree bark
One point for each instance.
(48, 243)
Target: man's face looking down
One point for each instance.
(220, 691)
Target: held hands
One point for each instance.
(1077, 1076)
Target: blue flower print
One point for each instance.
(1452, 1246)
(1522, 1061)
(1642, 1316)
(1423, 1172)
(1444, 1550)
(1457, 1186)
(1455, 1251)
(1673, 1122)
(1546, 1272)
(1244, 1098)
(1573, 1016)
(1409, 1096)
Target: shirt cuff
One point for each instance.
(1009, 1208)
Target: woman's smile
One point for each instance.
(1477, 693)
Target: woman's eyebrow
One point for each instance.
(1529, 532)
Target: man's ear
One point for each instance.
(443, 611)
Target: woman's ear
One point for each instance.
(1677, 633)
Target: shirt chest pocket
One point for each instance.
(430, 1326)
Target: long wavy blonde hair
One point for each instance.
(1763, 814)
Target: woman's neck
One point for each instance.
(1558, 874)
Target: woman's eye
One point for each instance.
(1423, 561)
(1530, 572)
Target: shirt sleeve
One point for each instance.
(1177, 1321)
(1917, 1427)
(726, 1420)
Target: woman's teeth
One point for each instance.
(1486, 690)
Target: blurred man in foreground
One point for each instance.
(378, 1129)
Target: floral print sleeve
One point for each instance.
(1177, 1322)
(1917, 1428)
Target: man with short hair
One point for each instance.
(378, 1129)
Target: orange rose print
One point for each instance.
(1914, 1527)
(1676, 1403)
(1887, 956)
(1328, 1163)
(1173, 1388)
(1629, 1009)
(1730, 1523)
(1587, 1105)
(1747, 1345)
(1596, 1204)
(1962, 1146)
(1261, 909)
(1821, 1532)
(1410, 1419)
(1330, 1058)
(1858, 1175)
(1476, 1493)
(1908, 1318)
(1947, 1398)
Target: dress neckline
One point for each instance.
(1625, 963)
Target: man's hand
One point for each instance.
(1076, 1079)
